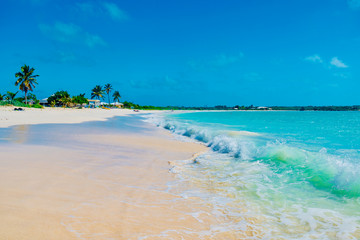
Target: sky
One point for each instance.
(187, 53)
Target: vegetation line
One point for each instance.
(26, 80)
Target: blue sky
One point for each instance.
(280, 52)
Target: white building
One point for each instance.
(94, 102)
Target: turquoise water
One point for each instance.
(285, 175)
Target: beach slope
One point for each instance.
(97, 180)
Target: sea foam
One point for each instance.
(294, 189)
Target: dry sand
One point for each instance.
(96, 185)
(9, 117)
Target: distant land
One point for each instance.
(251, 107)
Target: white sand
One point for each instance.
(9, 117)
(96, 185)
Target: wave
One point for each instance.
(337, 174)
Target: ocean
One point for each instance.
(274, 174)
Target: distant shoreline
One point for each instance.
(9, 117)
(271, 108)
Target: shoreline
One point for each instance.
(118, 180)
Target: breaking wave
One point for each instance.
(336, 174)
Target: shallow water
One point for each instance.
(282, 175)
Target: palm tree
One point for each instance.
(65, 100)
(108, 89)
(1, 97)
(26, 80)
(97, 92)
(116, 96)
(10, 95)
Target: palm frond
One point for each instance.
(19, 74)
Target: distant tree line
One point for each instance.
(318, 108)
(251, 107)
(26, 80)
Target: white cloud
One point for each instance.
(114, 11)
(70, 33)
(335, 61)
(314, 58)
(338, 63)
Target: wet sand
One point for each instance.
(98, 180)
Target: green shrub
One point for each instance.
(19, 104)
(4, 103)
(13, 103)
(37, 105)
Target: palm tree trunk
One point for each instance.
(109, 99)
(25, 96)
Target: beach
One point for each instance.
(9, 117)
(112, 174)
(96, 180)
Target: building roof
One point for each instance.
(117, 103)
(44, 101)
